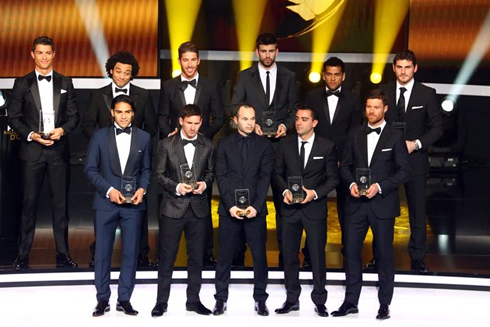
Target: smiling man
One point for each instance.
(118, 153)
(43, 111)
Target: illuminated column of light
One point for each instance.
(181, 19)
(477, 52)
(248, 16)
(388, 18)
(322, 39)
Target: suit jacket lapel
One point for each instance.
(314, 147)
(35, 91)
(133, 153)
(134, 93)
(259, 88)
(113, 154)
(326, 109)
(279, 86)
(198, 93)
(107, 95)
(56, 96)
(383, 140)
(362, 140)
(339, 107)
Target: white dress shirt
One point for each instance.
(190, 91)
(125, 87)
(333, 101)
(272, 79)
(46, 94)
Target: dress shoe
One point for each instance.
(419, 266)
(219, 307)
(21, 262)
(345, 309)
(101, 308)
(126, 307)
(372, 265)
(287, 307)
(261, 308)
(383, 312)
(321, 310)
(143, 261)
(209, 260)
(64, 260)
(197, 307)
(159, 309)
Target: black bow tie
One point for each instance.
(336, 93)
(184, 84)
(369, 130)
(121, 90)
(186, 141)
(41, 77)
(127, 130)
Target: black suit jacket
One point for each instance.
(167, 173)
(98, 113)
(389, 168)
(249, 89)
(320, 174)
(423, 118)
(254, 174)
(103, 168)
(172, 101)
(24, 108)
(348, 115)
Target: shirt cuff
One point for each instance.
(29, 138)
(109, 191)
(177, 190)
(379, 188)
(316, 195)
(419, 144)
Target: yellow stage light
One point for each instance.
(181, 19)
(176, 72)
(248, 16)
(388, 17)
(314, 77)
(376, 78)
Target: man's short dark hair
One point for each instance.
(236, 109)
(334, 62)
(265, 39)
(303, 106)
(405, 55)
(190, 110)
(124, 57)
(378, 94)
(44, 40)
(188, 47)
(123, 98)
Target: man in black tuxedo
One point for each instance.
(339, 110)
(415, 107)
(379, 147)
(43, 111)
(192, 88)
(122, 67)
(243, 164)
(271, 90)
(185, 205)
(312, 158)
(118, 164)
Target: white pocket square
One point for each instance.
(417, 107)
(385, 150)
(63, 91)
(316, 158)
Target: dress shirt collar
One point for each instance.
(38, 73)
(408, 86)
(125, 87)
(182, 78)
(186, 138)
(310, 140)
(262, 70)
(382, 126)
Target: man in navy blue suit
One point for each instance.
(118, 163)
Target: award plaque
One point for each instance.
(128, 187)
(295, 185)
(400, 125)
(188, 175)
(363, 180)
(242, 201)
(44, 123)
(269, 126)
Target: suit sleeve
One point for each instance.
(347, 162)
(402, 168)
(163, 115)
(150, 120)
(92, 162)
(15, 106)
(71, 111)
(216, 112)
(332, 171)
(209, 169)
(292, 102)
(145, 176)
(90, 117)
(226, 194)
(279, 169)
(162, 167)
(434, 122)
(239, 92)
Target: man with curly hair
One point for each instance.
(122, 67)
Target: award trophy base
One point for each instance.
(44, 135)
(243, 213)
(128, 200)
(363, 192)
(270, 134)
(297, 199)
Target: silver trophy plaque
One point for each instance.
(363, 180)
(295, 186)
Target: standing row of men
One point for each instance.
(192, 102)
